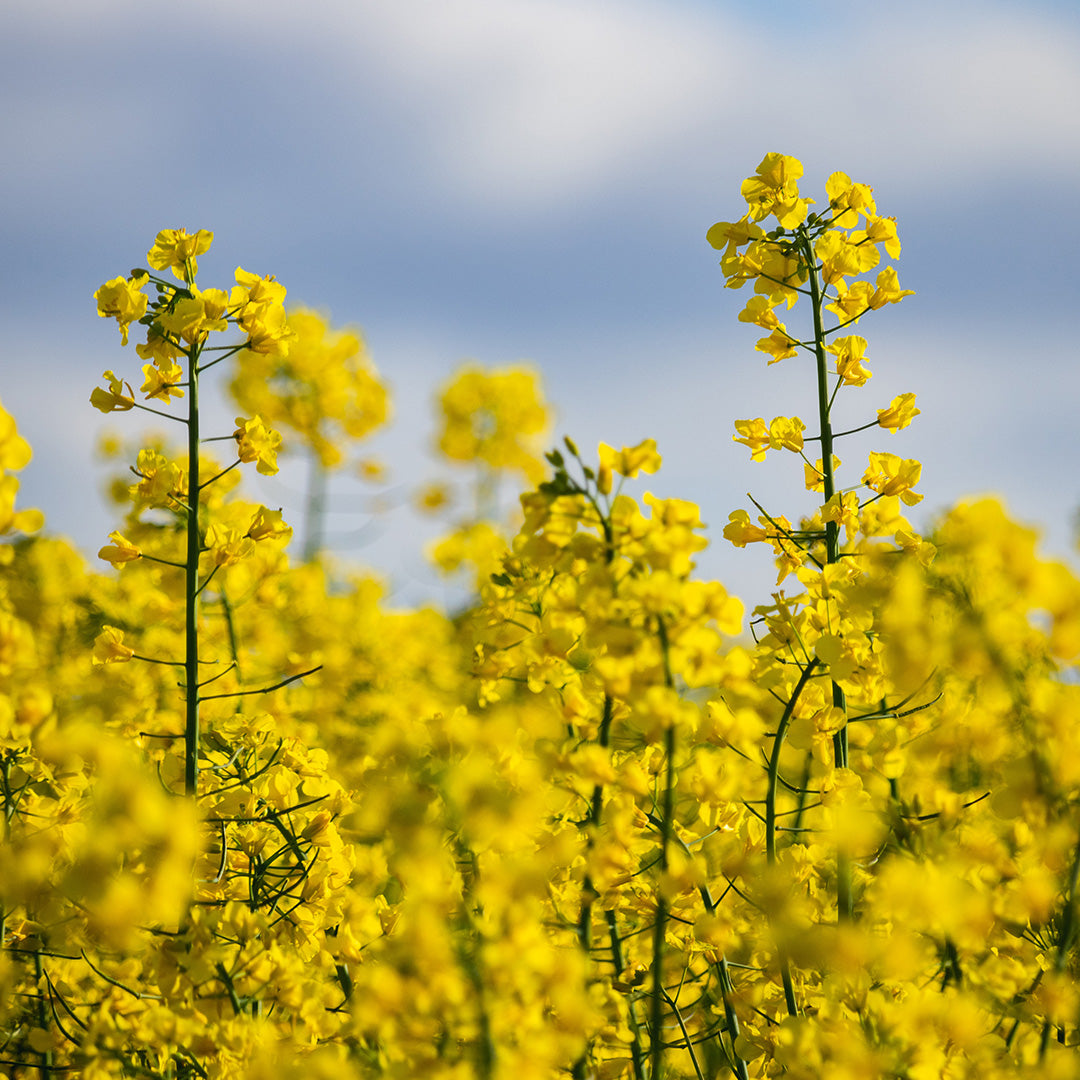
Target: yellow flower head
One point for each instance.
(630, 460)
(891, 475)
(774, 189)
(109, 647)
(114, 399)
(122, 299)
(120, 551)
(256, 442)
(176, 249)
(899, 414)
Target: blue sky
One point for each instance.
(508, 180)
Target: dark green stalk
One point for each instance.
(770, 814)
(844, 900)
(1065, 937)
(191, 583)
(656, 1047)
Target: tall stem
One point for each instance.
(844, 900)
(191, 583)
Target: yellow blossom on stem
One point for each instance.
(162, 380)
(774, 190)
(849, 359)
(785, 432)
(122, 299)
(852, 301)
(268, 525)
(227, 545)
(730, 235)
(779, 345)
(120, 551)
(759, 311)
(888, 289)
(256, 442)
(843, 508)
(892, 475)
(815, 474)
(176, 250)
(114, 399)
(880, 230)
(109, 647)
(630, 460)
(899, 414)
(740, 532)
(848, 200)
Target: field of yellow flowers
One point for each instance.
(603, 823)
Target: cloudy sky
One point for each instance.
(509, 180)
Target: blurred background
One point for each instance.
(531, 180)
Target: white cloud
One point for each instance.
(534, 106)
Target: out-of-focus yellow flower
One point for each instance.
(227, 545)
(109, 647)
(268, 525)
(630, 460)
(432, 497)
(256, 442)
(498, 418)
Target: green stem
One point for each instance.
(191, 584)
(770, 814)
(667, 816)
(656, 1046)
(844, 900)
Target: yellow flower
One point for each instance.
(849, 359)
(228, 545)
(740, 532)
(731, 235)
(880, 230)
(163, 380)
(176, 249)
(849, 200)
(14, 449)
(779, 345)
(120, 551)
(899, 414)
(630, 460)
(759, 311)
(256, 442)
(268, 525)
(122, 299)
(755, 435)
(497, 418)
(888, 289)
(114, 399)
(775, 190)
(814, 475)
(891, 475)
(109, 647)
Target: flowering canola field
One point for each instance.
(606, 822)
